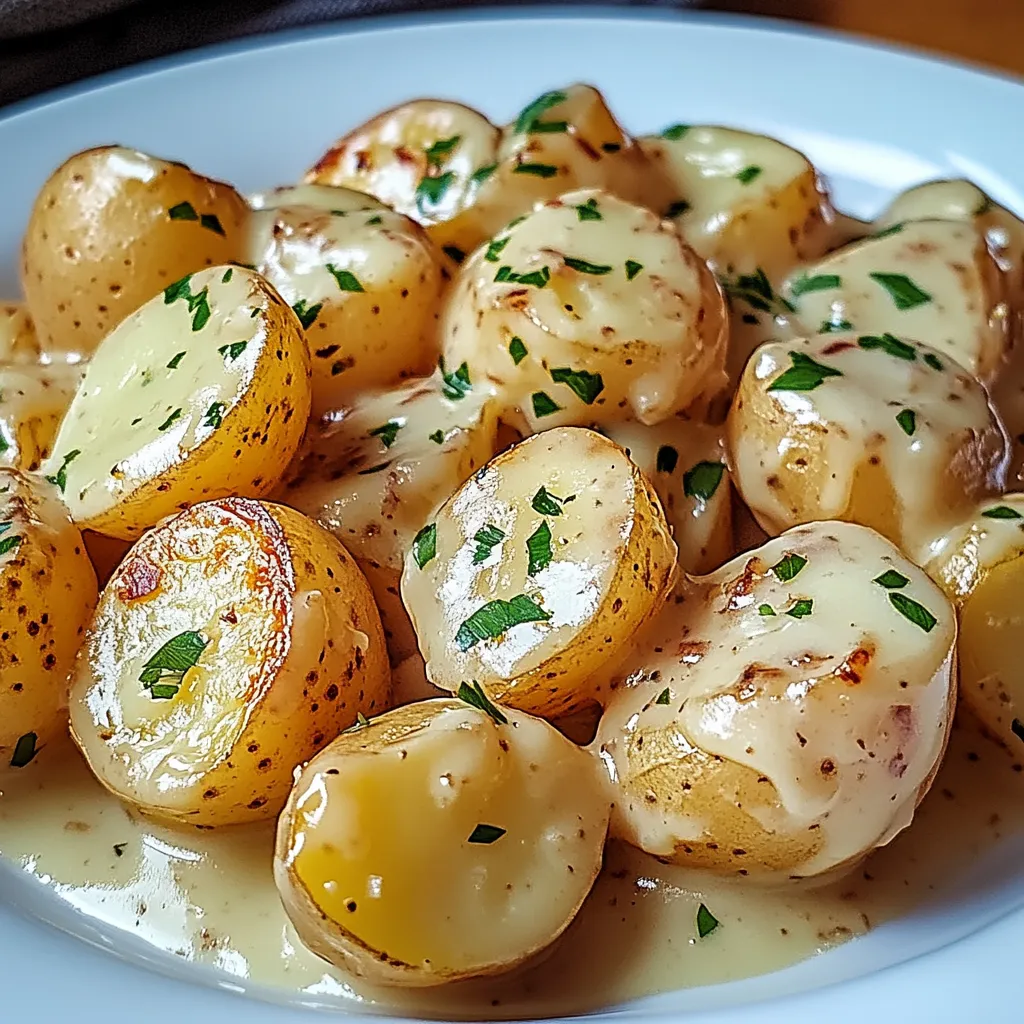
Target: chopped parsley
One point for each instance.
(495, 618)
(456, 385)
(830, 326)
(479, 176)
(374, 221)
(8, 544)
(486, 538)
(387, 432)
(163, 673)
(176, 361)
(903, 292)
(234, 350)
(171, 420)
(546, 503)
(788, 567)
(486, 834)
(517, 350)
(494, 250)
(583, 267)
(307, 314)
(765, 609)
(889, 344)
(24, 750)
(454, 252)
(198, 304)
(586, 386)
(706, 922)
(538, 278)
(1001, 512)
(548, 127)
(439, 151)
(804, 375)
(702, 480)
(424, 545)
(532, 111)
(910, 609)
(346, 280)
(60, 478)
(537, 170)
(817, 283)
(119, 849)
(907, 419)
(893, 229)
(675, 131)
(589, 210)
(186, 211)
(211, 222)
(748, 174)
(214, 415)
(667, 459)
(437, 437)
(757, 292)
(933, 361)
(632, 269)
(801, 608)
(543, 404)
(664, 697)
(891, 580)
(538, 546)
(473, 694)
(432, 189)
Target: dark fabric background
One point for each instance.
(45, 43)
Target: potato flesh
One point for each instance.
(655, 337)
(382, 846)
(612, 562)
(33, 401)
(750, 202)
(45, 565)
(686, 462)
(160, 394)
(838, 450)
(842, 709)
(221, 748)
(373, 282)
(944, 289)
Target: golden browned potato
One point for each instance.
(686, 462)
(110, 228)
(789, 715)
(366, 284)
(234, 641)
(981, 569)
(537, 572)
(439, 842)
(203, 392)
(49, 595)
(931, 280)
(33, 401)
(589, 310)
(18, 341)
(873, 429)
(376, 476)
(745, 202)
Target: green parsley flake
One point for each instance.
(346, 280)
(706, 922)
(664, 697)
(757, 292)
(537, 278)
(549, 127)
(1001, 512)
(667, 459)
(214, 415)
(60, 478)
(24, 750)
(479, 176)
(907, 419)
(387, 432)
(431, 190)
(532, 111)
(893, 229)
(8, 544)
(183, 211)
(748, 174)
(495, 618)
(176, 361)
(473, 694)
(494, 250)
(538, 546)
(441, 150)
(632, 269)
(788, 567)
(171, 420)
(546, 503)
(765, 609)
(891, 580)
(211, 222)
(537, 170)
(453, 252)
(424, 545)
(675, 131)
(889, 344)
(583, 267)
(163, 673)
(586, 386)
(830, 326)
(374, 221)
(903, 292)
(228, 274)
(801, 608)
(486, 538)
(307, 314)
(933, 361)
(910, 609)
(818, 283)
(702, 480)
(455, 385)
(437, 437)
(804, 375)
(234, 350)
(589, 211)
(517, 350)
(486, 834)
(543, 404)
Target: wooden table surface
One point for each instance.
(985, 31)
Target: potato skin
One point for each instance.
(294, 652)
(18, 341)
(166, 449)
(33, 401)
(102, 240)
(51, 593)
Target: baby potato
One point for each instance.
(18, 341)
(366, 284)
(931, 280)
(201, 393)
(686, 462)
(375, 477)
(112, 227)
(33, 401)
(537, 572)
(872, 429)
(425, 158)
(440, 842)
(233, 642)
(565, 139)
(982, 571)
(50, 590)
(789, 714)
(589, 310)
(745, 202)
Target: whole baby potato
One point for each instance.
(232, 643)
(110, 228)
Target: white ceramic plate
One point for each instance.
(875, 120)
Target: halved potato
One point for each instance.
(440, 842)
(425, 158)
(233, 642)
(982, 572)
(745, 202)
(537, 572)
(110, 228)
(201, 393)
(33, 401)
(366, 284)
(565, 139)
(376, 476)
(588, 310)
(686, 462)
(872, 429)
(18, 341)
(788, 715)
(50, 593)
(931, 280)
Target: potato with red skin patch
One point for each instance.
(233, 642)
(49, 593)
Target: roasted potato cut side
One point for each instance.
(232, 643)
(110, 228)
(537, 572)
(931, 280)
(981, 569)
(18, 341)
(686, 462)
(375, 477)
(201, 393)
(588, 310)
(50, 593)
(873, 429)
(426, 158)
(745, 202)
(440, 842)
(789, 714)
(33, 401)
(366, 284)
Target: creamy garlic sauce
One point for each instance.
(208, 897)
